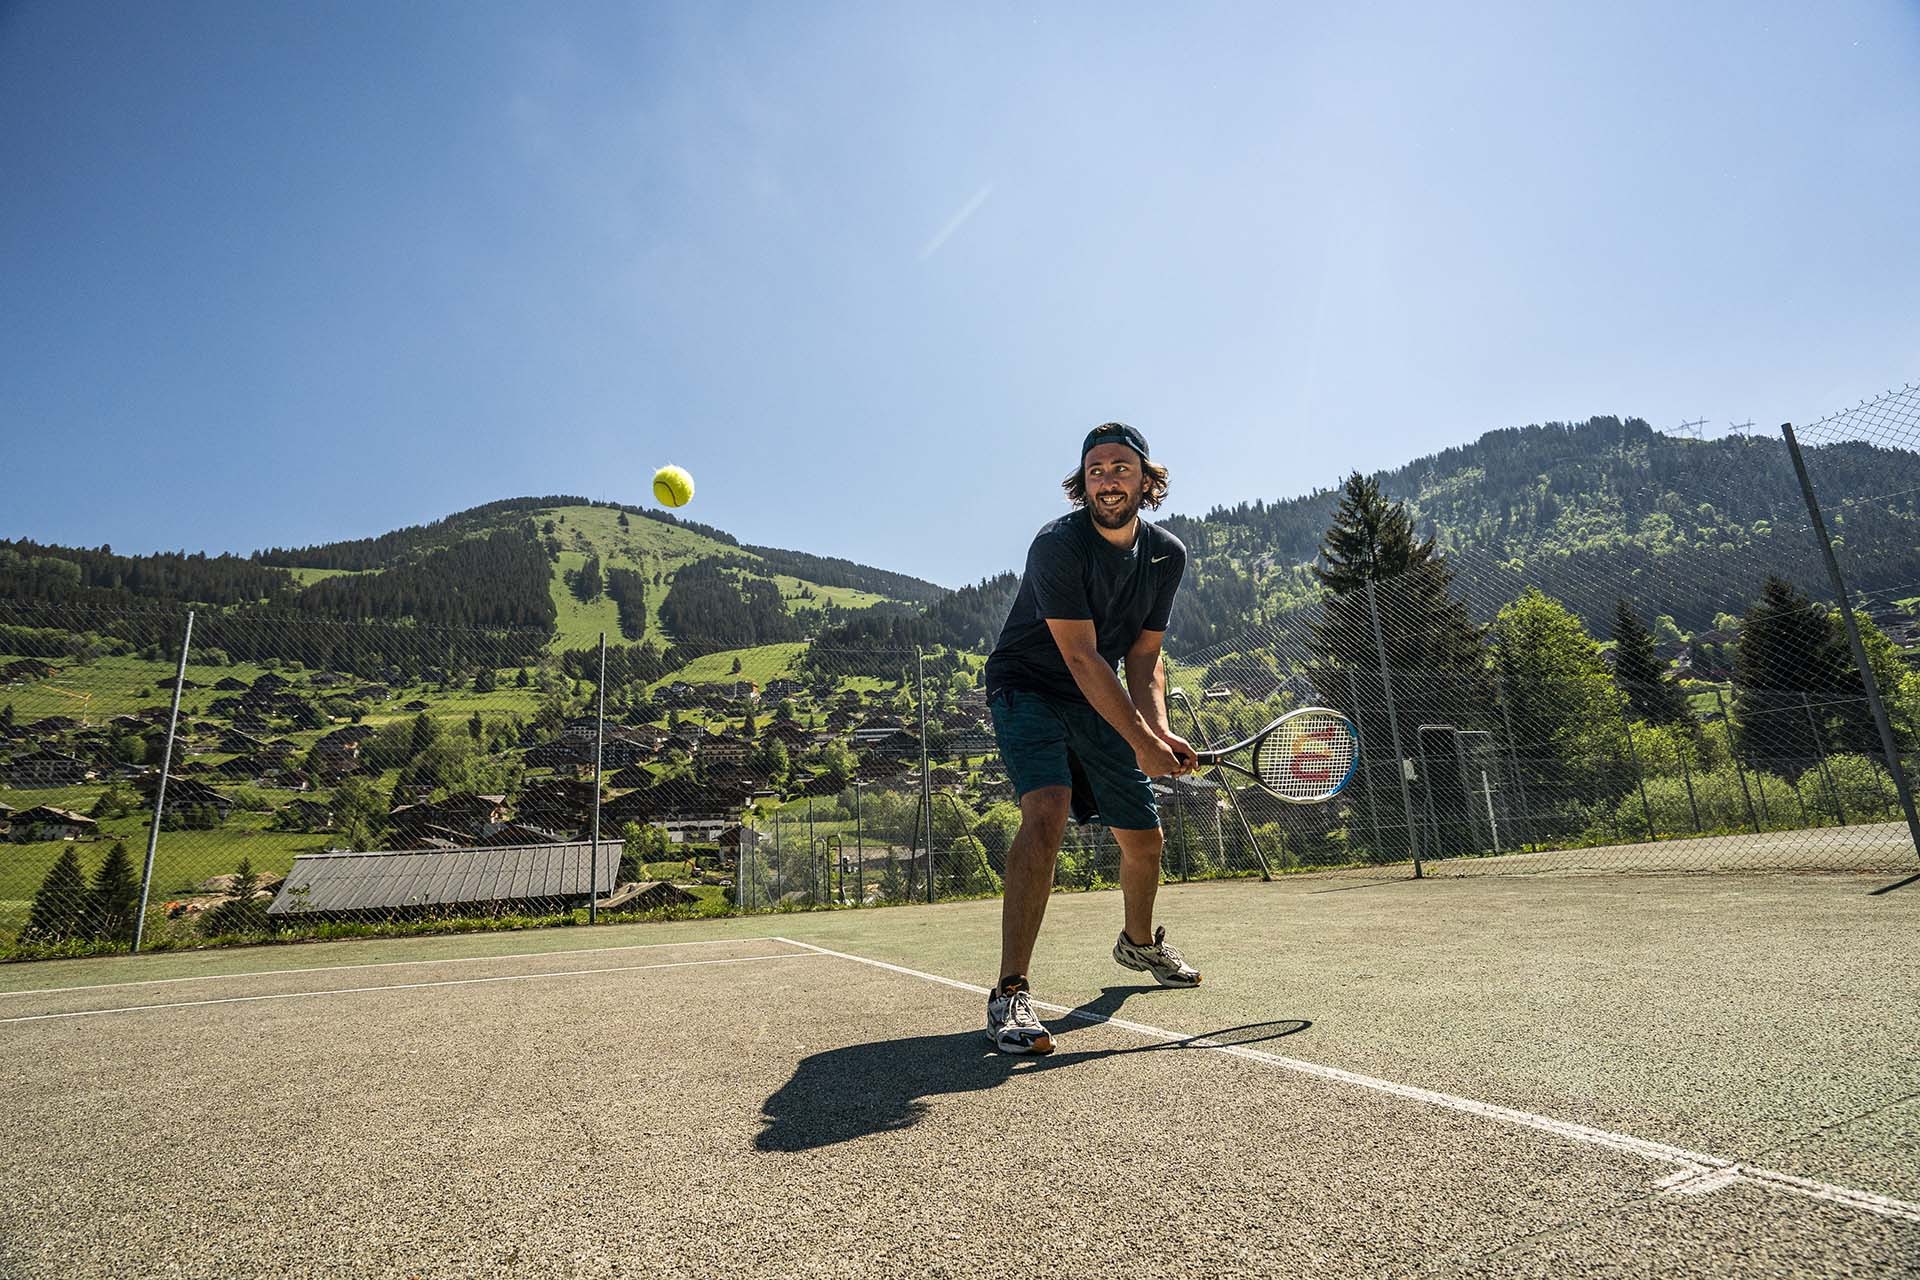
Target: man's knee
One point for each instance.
(1043, 815)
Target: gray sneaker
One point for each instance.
(1168, 967)
(1012, 1024)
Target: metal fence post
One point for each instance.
(1872, 685)
(1733, 754)
(160, 792)
(1513, 756)
(1820, 750)
(1360, 749)
(1633, 753)
(599, 746)
(926, 773)
(1686, 775)
(1393, 726)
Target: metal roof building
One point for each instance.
(395, 882)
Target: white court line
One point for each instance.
(1698, 1174)
(382, 964)
(399, 986)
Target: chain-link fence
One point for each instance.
(317, 778)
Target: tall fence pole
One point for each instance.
(599, 748)
(1733, 753)
(1820, 751)
(1880, 721)
(1360, 749)
(1393, 726)
(926, 774)
(160, 792)
(1640, 775)
(1513, 756)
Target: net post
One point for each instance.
(1878, 707)
(160, 791)
(1393, 726)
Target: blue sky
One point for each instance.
(278, 273)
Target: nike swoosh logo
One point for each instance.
(1158, 559)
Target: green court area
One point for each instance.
(1705, 1075)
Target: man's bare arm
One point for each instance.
(1079, 646)
(1147, 685)
(1147, 681)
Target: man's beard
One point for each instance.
(1116, 517)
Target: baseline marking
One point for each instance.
(1699, 1172)
(382, 964)
(398, 986)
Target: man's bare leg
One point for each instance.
(1139, 879)
(1029, 879)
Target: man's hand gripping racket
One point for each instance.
(1305, 757)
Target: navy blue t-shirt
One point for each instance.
(1074, 573)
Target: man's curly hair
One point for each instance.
(1153, 488)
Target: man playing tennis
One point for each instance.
(1098, 589)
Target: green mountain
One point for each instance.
(1589, 512)
(540, 575)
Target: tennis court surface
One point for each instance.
(1542, 1076)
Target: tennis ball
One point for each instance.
(673, 486)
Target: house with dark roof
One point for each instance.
(44, 822)
(46, 768)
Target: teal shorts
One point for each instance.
(1045, 742)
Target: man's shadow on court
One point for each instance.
(843, 1094)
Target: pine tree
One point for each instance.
(486, 681)
(1640, 674)
(1790, 656)
(521, 681)
(1370, 540)
(114, 897)
(59, 909)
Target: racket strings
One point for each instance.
(1307, 758)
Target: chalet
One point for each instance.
(250, 723)
(696, 828)
(721, 749)
(467, 815)
(228, 684)
(237, 741)
(780, 687)
(581, 729)
(373, 693)
(560, 755)
(271, 682)
(44, 822)
(417, 705)
(47, 769)
(52, 727)
(167, 683)
(790, 732)
(339, 751)
(678, 694)
(325, 679)
(619, 751)
(880, 768)
(630, 777)
(183, 793)
(24, 669)
(886, 744)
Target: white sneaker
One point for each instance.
(1168, 967)
(1012, 1024)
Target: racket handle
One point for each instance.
(1208, 757)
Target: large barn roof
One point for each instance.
(402, 879)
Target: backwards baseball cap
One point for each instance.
(1114, 433)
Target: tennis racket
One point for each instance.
(1305, 757)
